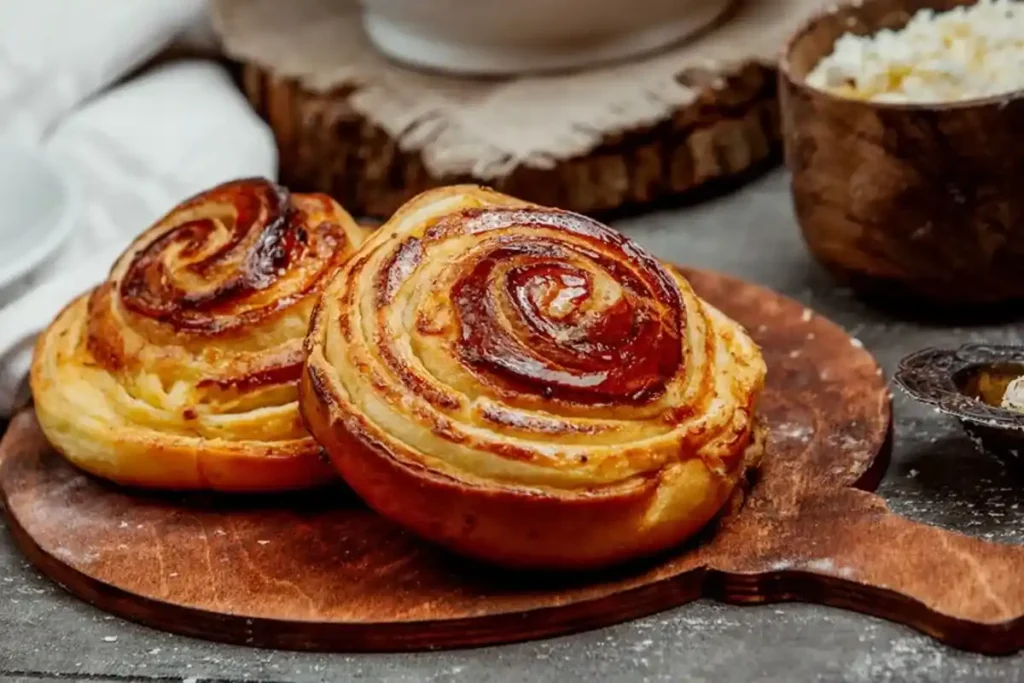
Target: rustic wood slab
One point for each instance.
(725, 136)
(319, 571)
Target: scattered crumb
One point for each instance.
(810, 335)
(856, 342)
(123, 525)
(807, 315)
(263, 542)
(155, 651)
(912, 473)
(110, 639)
(794, 354)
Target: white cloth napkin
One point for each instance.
(133, 152)
(56, 53)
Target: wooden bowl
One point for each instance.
(923, 199)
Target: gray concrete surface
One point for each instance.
(936, 476)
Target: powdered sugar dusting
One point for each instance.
(793, 431)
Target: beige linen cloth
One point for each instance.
(489, 127)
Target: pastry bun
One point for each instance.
(179, 371)
(527, 386)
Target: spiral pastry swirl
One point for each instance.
(179, 371)
(528, 386)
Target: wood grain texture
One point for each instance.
(325, 145)
(321, 572)
(924, 199)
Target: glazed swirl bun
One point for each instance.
(527, 386)
(179, 371)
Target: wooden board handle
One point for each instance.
(965, 591)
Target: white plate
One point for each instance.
(38, 209)
(496, 37)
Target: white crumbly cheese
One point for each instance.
(966, 53)
(1013, 397)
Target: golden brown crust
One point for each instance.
(527, 386)
(179, 371)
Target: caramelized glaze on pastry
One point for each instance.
(527, 386)
(179, 371)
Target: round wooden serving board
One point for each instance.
(319, 571)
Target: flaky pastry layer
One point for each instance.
(528, 386)
(179, 371)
